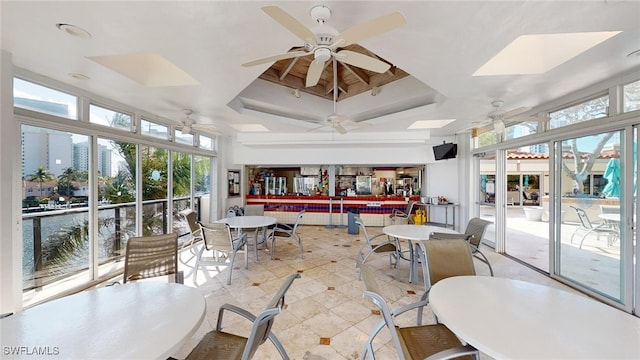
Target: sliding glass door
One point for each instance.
(590, 244)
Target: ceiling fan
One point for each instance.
(335, 120)
(189, 124)
(324, 42)
(500, 118)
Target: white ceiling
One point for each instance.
(442, 45)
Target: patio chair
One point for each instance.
(196, 232)
(255, 210)
(221, 345)
(611, 209)
(403, 215)
(218, 239)
(473, 234)
(434, 341)
(152, 256)
(443, 259)
(286, 231)
(588, 228)
(374, 246)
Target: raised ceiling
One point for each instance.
(441, 46)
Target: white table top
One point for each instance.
(512, 319)
(142, 320)
(610, 217)
(241, 222)
(414, 232)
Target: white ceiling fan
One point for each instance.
(324, 42)
(189, 124)
(500, 118)
(335, 120)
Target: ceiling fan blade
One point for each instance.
(370, 28)
(290, 23)
(340, 129)
(314, 73)
(515, 112)
(316, 128)
(362, 61)
(355, 124)
(275, 58)
(338, 118)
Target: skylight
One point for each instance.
(537, 54)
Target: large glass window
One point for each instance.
(106, 117)
(588, 110)
(154, 187)
(631, 96)
(150, 128)
(30, 96)
(117, 193)
(521, 129)
(54, 206)
(181, 189)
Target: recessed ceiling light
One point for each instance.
(249, 127)
(79, 76)
(74, 31)
(537, 54)
(430, 124)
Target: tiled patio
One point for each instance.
(326, 316)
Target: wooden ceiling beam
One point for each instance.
(358, 73)
(288, 67)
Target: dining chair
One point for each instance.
(473, 235)
(218, 239)
(255, 210)
(433, 341)
(196, 232)
(221, 345)
(589, 228)
(152, 256)
(286, 231)
(377, 245)
(403, 215)
(442, 259)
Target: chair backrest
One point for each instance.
(264, 321)
(409, 207)
(254, 210)
(476, 229)
(295, 226)
(372, 291)
(151, 256)
(447, 258)
(609, 209)
(584, 219)
(363, 228)
(217, 236)
(192, 219)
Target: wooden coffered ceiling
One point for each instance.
(352, 80)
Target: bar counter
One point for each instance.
(374, 210)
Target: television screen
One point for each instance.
(445, 151)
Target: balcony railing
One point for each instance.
(56, 239)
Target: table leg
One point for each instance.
(411, 261)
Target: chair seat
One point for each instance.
(218, 345)
(419, 342)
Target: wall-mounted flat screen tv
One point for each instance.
(445, 151)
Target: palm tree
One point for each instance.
(41, 175)
(68, 175)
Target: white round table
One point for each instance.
(249, 222)
(413, 233)
(513, 319)
(140, 320)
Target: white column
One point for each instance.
(10, 196)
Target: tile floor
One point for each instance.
(326, 316)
